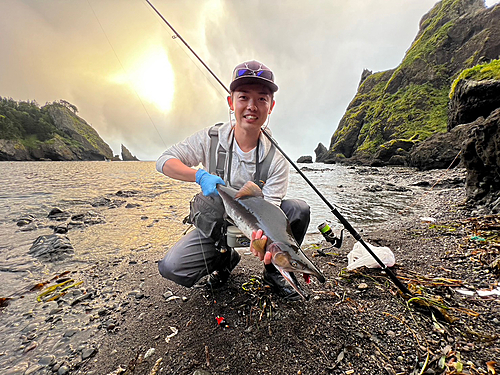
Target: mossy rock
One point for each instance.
(481, 72)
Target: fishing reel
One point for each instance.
(334, 238)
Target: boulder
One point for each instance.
(51, 248)
(473, 99)
(440, 150)
(320, 152)
(305, 159)
(398, 160)
(57, 214)
(393, 152)
(481, 158)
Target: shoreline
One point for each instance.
(258, 339)
(355, 321)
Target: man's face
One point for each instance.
(251, 104)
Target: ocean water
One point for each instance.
(152, 219)
(150, 207)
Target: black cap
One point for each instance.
(252, 72)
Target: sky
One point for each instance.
(117, 62)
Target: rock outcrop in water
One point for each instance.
(127, 155)
(305, 159)
(51, 248)
(407, 105)
(51, 132)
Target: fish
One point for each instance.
(250, 212)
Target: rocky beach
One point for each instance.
(82, 234)
(118, 316)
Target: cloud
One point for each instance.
(71, 50)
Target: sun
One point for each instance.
(151, 76)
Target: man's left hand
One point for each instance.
(265, 256)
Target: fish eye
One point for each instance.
(294, 264)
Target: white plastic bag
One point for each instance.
(359, 257)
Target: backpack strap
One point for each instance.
(217, 156)
(264, 167)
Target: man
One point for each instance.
(247, 151)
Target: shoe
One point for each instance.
(279, 285)
(219, 277)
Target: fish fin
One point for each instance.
(250, 189)
(280, 260)
(260, 245)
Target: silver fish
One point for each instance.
(251, 212)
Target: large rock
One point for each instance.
(127, 155)
(481, 157)
(394, 152)
(441, 150)
(305, 159)
(52, 248)
(11, 149)
(320, 152)
(473, 99)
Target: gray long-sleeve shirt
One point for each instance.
(196, 149)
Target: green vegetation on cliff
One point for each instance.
(414, 112)
(54, 131)
(479, 72)
(25, 121)
(433, 33)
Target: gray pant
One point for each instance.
(195, 256)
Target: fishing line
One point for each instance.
(187, 45)
(208, 274)
(333, 209)
(177, 36)
(126, 75)
(152, 122)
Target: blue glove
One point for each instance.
(208, 182)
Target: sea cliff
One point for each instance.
(402, 116)
(51, 132)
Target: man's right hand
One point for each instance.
(208, 182)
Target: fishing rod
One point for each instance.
(334, 211)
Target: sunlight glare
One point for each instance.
(152, 77)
